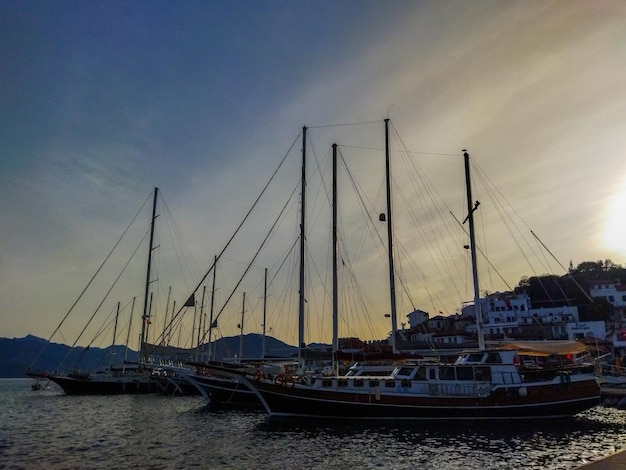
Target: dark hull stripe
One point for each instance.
(95, 387)
(301, 402)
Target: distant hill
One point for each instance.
(18, 354)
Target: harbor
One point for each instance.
(52, 430)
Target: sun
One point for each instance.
(615, 231)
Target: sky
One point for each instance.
(100, 102)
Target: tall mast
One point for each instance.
(392, 280)
(212, 304)
(335, 288)
(130, 323)
(200, 322)
(301, 343)
(145, 316)
(117, 314)
(264, 311)
(471, 207)
(167, 309)
(243, 310)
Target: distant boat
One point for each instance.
(487, 383)
(127, 378)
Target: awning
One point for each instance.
(545, 348)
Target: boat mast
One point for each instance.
(335, 288)
(301, 343)
(243, 310)
(130, 323)
(167, 309)
(145, 316)
(212, 305)
(264, 312)
(471, 207)
(200, 323)
(117, 314)
(392, 281)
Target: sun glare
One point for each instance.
(615, 232)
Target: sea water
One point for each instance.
(50, 430)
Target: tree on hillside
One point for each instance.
(599, 310)
(547, 290)
(595, 270)
(572, 289)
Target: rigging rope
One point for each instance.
(235, 232)
(91, 280)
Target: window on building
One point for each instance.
(611, 298)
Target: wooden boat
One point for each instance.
(482, 384)
(488, 383)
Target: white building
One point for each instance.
(416, 318)
(590, 329)
(509, 315)
(615, 293)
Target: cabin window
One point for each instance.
(464, 373)
(446, 373)
(494, 358)
(358, 383)
(374, 383)
(405, 383)
(475, 357)
(405, 371)
(342, 383)
(327, 383)
(390, 383)
(420, 374)
(482, 374)
(431, 374)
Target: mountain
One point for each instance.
(228, 347)
(18, 354)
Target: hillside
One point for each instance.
(18, 354)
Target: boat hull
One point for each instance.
(227, 392)
(112, 386)
(540, 402)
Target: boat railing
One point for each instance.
(611, 370)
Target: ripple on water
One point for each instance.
(50, 430)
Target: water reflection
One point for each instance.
(47, 430)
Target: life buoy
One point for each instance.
(280, 380)
(257, 375)
(481, 390)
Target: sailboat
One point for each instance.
(127, 378)
(225, 389)
(487, 383)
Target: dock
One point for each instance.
(613, 462)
